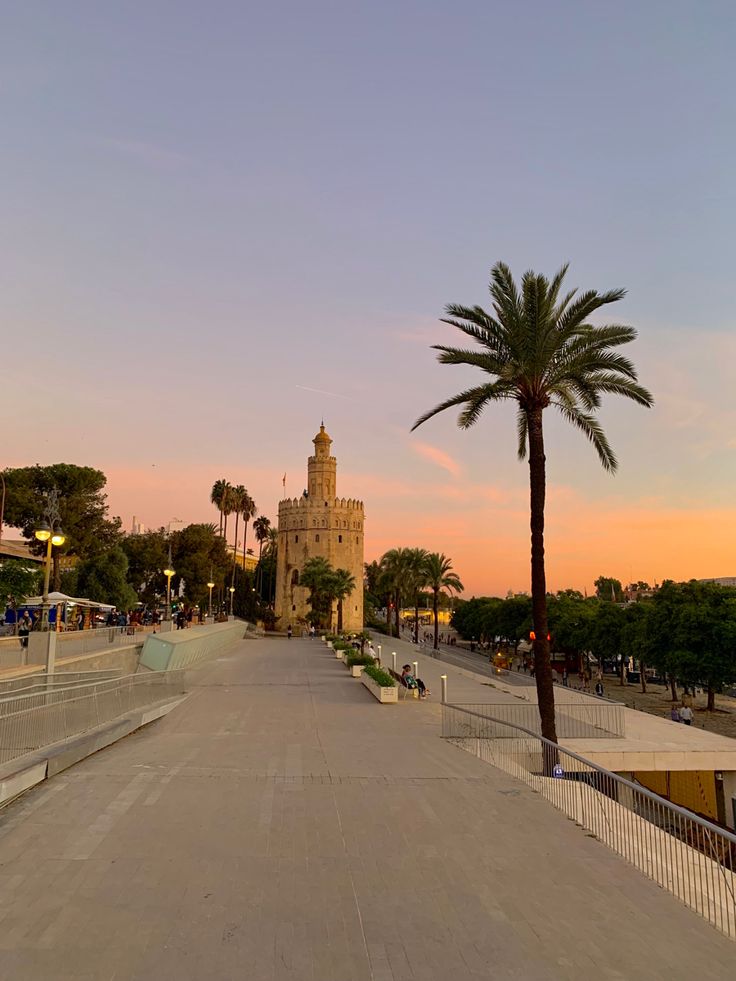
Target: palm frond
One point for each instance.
(522, 432)
(470, 395)
(590, 426)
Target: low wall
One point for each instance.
(184, 648)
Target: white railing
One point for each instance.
(582, 719)
(688, 856)
(31, 721)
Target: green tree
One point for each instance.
(607, 588)
(217, 497)
(197, 552)
(248, 511)
(515, 619)
(236, 499)
(439, 576)
(342, 587)
(104, 579)
(18, 579)
(540, 350)
(261, 528)
(82, 505)
(416, 580)
(395, 578)
(636, 639)
(147, 557)
(318, 577)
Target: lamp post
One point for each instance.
(168, 572)
(210, 586)
(49, 531)
(232, 590)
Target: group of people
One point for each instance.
(682, 713)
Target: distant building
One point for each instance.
(251, 561)
(137, 528)
(319, 524)
(722, 581)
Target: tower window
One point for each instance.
(293, 606)
(296, 538)
(295, 577)
(357, 540)
(339, 538)
(316, 538)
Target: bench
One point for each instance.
(403, 687)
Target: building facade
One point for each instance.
(319, 524)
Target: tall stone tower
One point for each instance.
(319, 524)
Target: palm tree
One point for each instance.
(416, 581)
(236, 497)
(260, 529)
(248, 510)
(395, 565)
(227, 506)
(439, 576)
(540, 350)
(217, 496)
(272, 550)
(342, 586)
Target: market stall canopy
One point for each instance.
(56, 598)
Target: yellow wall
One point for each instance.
(693, 789)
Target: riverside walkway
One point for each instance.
(281, 824)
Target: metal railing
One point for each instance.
(42, 680)
(688, 856)
(574, 720)
(29, 722)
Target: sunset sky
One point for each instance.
(224, 221)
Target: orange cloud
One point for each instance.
(438, 456)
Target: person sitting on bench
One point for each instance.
(409, 681)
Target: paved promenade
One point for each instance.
(281, 824)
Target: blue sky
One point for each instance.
(209, 209)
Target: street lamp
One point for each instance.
(232, 590)
(210, 586)
(52, 535)
(168, 572)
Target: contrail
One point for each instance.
(321, 391)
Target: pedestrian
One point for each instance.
(675, 714)
(686, 714)
(312, 632)
(25, 625)
(564, 677)
(289, 632)
(599, 689)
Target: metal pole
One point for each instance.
(416, 668)
(210, 609)
(168, 597)
(393, 655)
(46, 578)
(443, 678)
(2, 507)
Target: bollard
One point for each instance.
(416, 668)
(443, 677)
(379, 653)
(393, 655)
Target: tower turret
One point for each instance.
(322, 469)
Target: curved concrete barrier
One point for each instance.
(183, 648)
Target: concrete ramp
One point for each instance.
(183, 648)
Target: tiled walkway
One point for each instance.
(281, 824)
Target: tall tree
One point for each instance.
(248, 510)
(608, 588)
(147, 558)
(217, 496)
(103, 579)
(540, 350)
(343, 585)
(82, 504)
(318, 577)
(416, 580)
(440, 577)
(227, 506)
(395, 578)
(260, 529)
(236, 497)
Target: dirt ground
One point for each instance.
(658, 701)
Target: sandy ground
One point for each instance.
(658, 701)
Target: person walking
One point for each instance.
(675, 714)
(25, 625)
(289, 632)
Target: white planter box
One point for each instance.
(384, 695)
(340, 654)
(357, 670)
(329, 644)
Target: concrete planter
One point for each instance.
(340, 654)
(329, 644)
(384, 695)
(356, 670)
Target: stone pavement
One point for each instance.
(281, 824)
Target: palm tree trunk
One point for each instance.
(339, 616)
(416, 619)
(220, 522)
(398, 604)
(245, 539)
(643, 675)
(235, 549)
(435, 605)
(259, 584)
(224, 532)
(537, 491)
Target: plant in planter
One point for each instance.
(356, 662)
(379, 683)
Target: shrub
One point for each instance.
(357, 658)
(381, 677)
